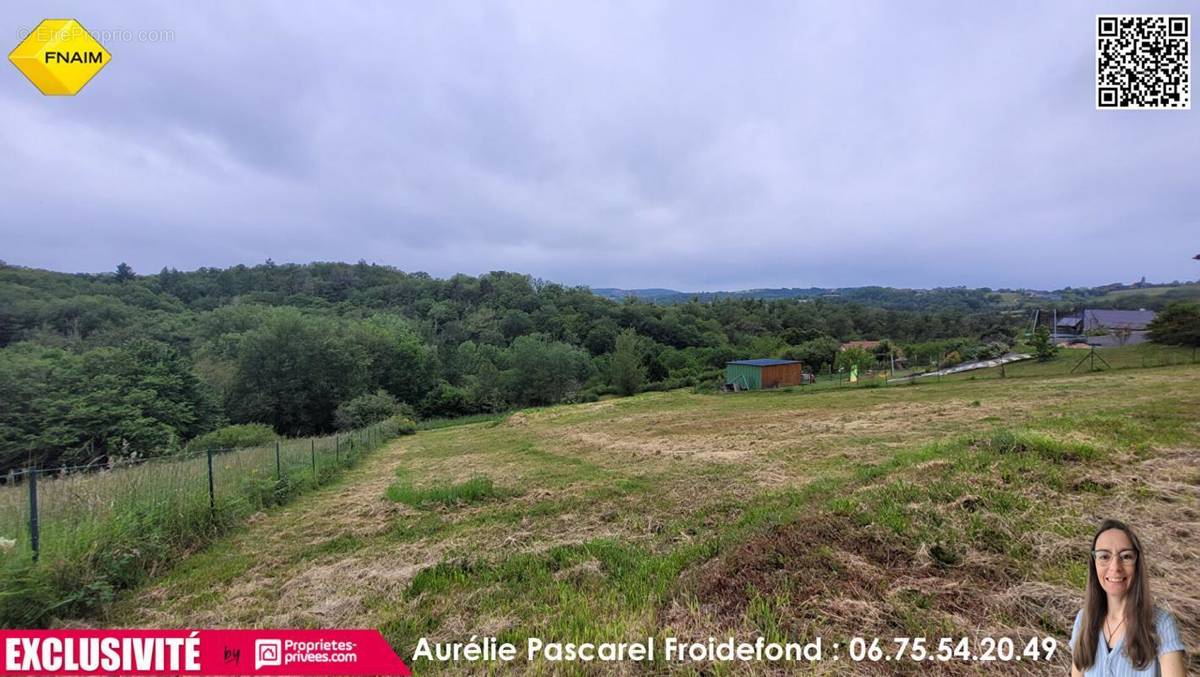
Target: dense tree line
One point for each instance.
(94, 366)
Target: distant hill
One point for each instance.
(1111, 295)
(945, 298)
(670, 296)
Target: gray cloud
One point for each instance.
(690, 145)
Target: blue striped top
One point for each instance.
(1116, 664)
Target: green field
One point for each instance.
(1184, 292)
(956, 508)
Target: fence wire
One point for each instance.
(81, 509)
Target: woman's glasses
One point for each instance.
(1124, 557)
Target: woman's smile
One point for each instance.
(1115, 581)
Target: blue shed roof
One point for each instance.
(763, 362)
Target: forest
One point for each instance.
(102, 366)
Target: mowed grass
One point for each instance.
(959, 508)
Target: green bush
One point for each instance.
(952, 358)
(987, 351)
(402, 425)
(238, 436)
(365, 410)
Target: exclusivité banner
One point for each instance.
(197, 652)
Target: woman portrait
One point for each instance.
(1119, 631)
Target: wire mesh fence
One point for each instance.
(64, 513)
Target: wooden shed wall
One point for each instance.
(781, 375)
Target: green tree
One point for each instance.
(542, 371)
(37, 386)
(446, 400)
(294, 371)
(398, 361)
(125, 272)
(816, 354)
(855, 355)
(63, 408)
(601, 338)
(484, 388)
(1177, 325)
(626, 372)
(1043, 349)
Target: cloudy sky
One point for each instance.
(691, 145)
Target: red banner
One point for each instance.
(197, 652)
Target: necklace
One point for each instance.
(1111, 633)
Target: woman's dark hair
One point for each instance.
(1141, 640)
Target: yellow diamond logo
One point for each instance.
(59, 57)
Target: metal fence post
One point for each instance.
(278, 465)
(212, 496)
(312, 446)
(34, 535)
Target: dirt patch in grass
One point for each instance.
(829, 577)
(808, 564)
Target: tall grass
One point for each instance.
(439, 423)
(473, 490)
(101, 532)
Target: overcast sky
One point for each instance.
(691, 145)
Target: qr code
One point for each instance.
(1143, 61)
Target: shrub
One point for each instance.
(1043, 348)
(364, 410)
(235, 437)
(402, 425)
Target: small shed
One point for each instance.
(766, 373)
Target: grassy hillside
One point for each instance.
(943, 509)
(1150, 296)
